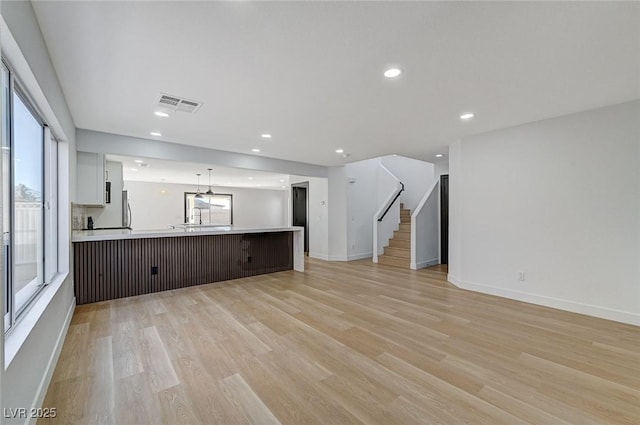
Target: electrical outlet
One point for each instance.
(521, 276)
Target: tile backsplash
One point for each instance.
(78, 217)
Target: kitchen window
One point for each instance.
(209, 209)
(29, 200)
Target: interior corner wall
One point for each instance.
(25, 380)
(441, 168)
(557, 200)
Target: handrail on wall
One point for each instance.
(398, 193)
(384, 209)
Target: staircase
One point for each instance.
(398, 253)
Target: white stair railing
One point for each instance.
(425, 225)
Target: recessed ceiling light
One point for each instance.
(155, 133)
(466, 116)
(339, 150)
(250, 178)
(265, 136)
(284, 187)
(392, 72)
(281, 180)
(255, 150)
(439, 155)
(138, 161)
(133, 169)
(161, 114)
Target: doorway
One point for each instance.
(299, 195)
(444, 219)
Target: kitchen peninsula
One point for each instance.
(111, 264)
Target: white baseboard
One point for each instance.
(360, 256)
(423, 264)
(53, 361)
(337, 258)
(351, 257)
(573, 306)
(324, 257)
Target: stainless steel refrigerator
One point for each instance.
(126, 210)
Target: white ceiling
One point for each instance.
(156, 170)
(310, 73)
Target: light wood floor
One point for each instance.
(342, 343)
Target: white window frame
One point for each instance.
(50, 260)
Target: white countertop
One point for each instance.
(114, 234)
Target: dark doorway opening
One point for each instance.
(299, 194)
(444, 219)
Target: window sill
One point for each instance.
(21, 330)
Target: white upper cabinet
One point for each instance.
(91, 179)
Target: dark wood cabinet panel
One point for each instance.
(110, 269)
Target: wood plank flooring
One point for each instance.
(342, 343)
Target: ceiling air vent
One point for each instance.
(175, 103)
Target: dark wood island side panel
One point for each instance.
(110, 269)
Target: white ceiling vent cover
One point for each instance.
(175, 103)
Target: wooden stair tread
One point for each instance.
(398, 252)
(394, 261)
(400, 243)
(402, 235)
(394, 251)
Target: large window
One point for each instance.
(209, 209)
(28, 223)
(29, 200)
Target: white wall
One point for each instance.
(362, 195)
(416, 175)
(337, 211)
(456, 194)
(25, 380)
(441, 168)
(157, 205)
(558, 200)
(318, 196)
(111, 214)
(425, 230)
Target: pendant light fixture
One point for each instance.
(198, 194)
(209, 192)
